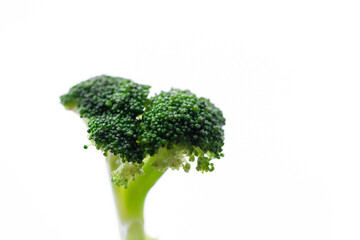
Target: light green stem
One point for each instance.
(130, 201)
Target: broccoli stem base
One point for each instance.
(130, 201)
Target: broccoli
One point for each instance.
(142, 137)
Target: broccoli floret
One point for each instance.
(110, 105)
(179, 121)
(142, 137)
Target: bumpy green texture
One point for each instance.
(110, 105)
(179, 119)
(118, 134)
(106, 95)
(175, 126)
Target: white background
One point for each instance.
(285, 73)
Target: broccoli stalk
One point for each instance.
(142, 137)
(130, 201)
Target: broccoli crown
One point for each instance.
(111, 105)
(178, 118)
(172, 127)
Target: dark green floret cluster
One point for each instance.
(110, 105)
(175, 126)
(179, 118)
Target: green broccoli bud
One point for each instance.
(186, 125)
(110, 107)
